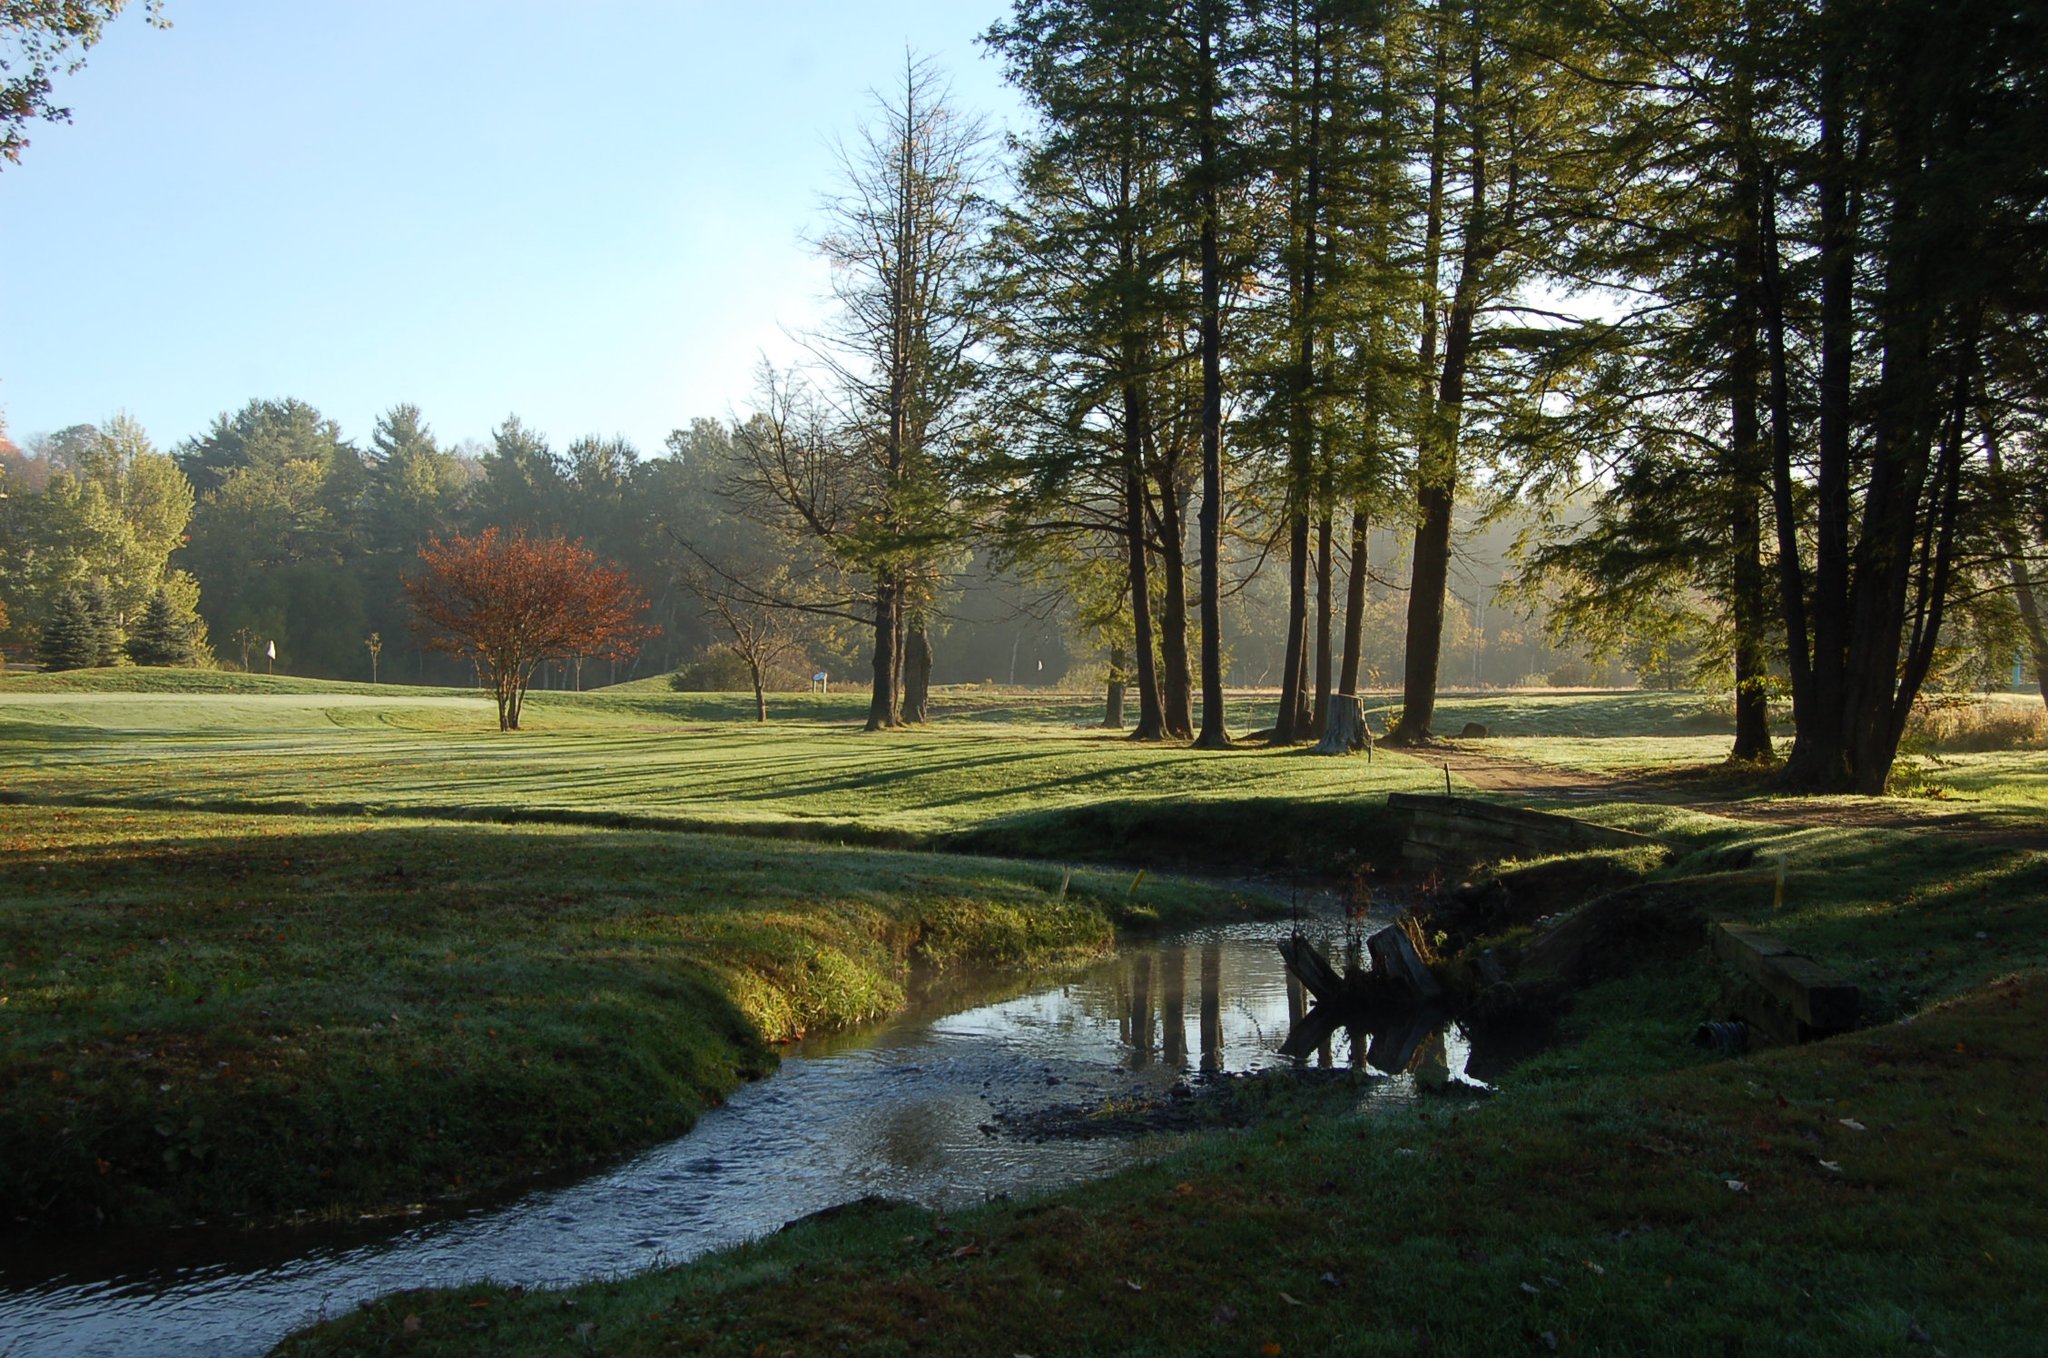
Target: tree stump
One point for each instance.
(1346, 730)
(1395, 958)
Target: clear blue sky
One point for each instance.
(592, 214)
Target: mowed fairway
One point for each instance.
(650, 757)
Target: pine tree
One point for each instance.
(164, 636)
(79, 631)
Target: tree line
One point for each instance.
(1735, 309)
(1766, 280)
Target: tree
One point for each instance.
(165, 634)
(413, 485)
(509, 603)
(40, 40)
(760, 634)
(903, 242)
(872, 485)
(79, 632)
(109, 508)
(1085, 264)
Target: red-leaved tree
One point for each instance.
(508, 603)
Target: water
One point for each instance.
(898, 1110)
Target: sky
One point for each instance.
(593, 215)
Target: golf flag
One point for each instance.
(271, 650)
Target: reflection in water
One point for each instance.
(1212, 1008)
(1173, 972)
(898, 1110)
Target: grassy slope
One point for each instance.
(211, 1015)
(1626, 1195)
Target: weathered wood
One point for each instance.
(1345, 731)
(1312, 969)
(1815, 996)
(1394, 958)
(1318, 1026)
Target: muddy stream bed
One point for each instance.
(946, 1104)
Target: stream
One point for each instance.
(902, 1109)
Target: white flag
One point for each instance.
(271, 650)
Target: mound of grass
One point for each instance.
(1625, 1192)
(215, 1016)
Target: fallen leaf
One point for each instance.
(412, 1324)
(1292, 1301)
(1852, 1124)
(1270, 1350)
(1332, 1279)
(1135, 1287)
(1225, 1314)
(1592, 1267)
(1549, 1340)
(480, 1303)
(1532, 1289)
(1736, 1185)
(1831, 1166)
(1183, 1188)
(965, 1252)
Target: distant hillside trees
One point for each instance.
(94, 508)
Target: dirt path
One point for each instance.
(1509, 775)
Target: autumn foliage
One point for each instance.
(508, 603)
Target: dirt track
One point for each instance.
(1507, 775)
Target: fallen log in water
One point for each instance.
(1313, 970)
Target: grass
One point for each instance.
(227, 1016)
(987, 775)
(424, 984)
(1626, 1194)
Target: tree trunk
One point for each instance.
(1422, 602)
(760, 694)
(1287, 722)
(1319, 718)
(1176, 694)
(1791, 575)
(882, 697)
(1345, 731)
(1214, 734)
(1749, 585)
(1151, 717)
(1354, 606)
(917, 671)
(1820, 756)
(1113, 702)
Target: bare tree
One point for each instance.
(903, 240)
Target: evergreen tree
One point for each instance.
(79, 632)
(164, 635)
